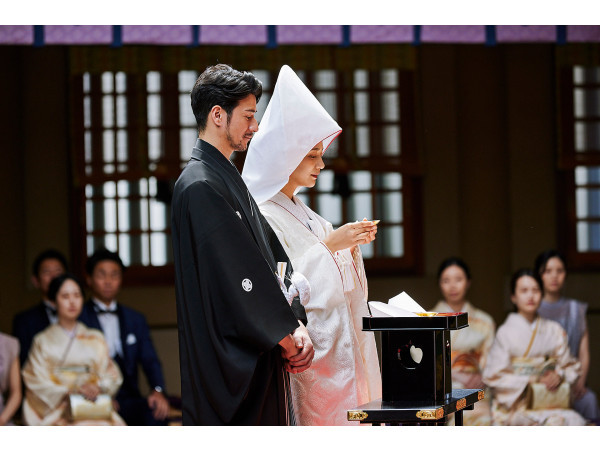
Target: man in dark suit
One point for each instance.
(47, 265)
(128, 338)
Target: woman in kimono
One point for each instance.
(530, 364)
(10, 379)
(470, 345)
(570, 314)
(285, 155)
(68, 358)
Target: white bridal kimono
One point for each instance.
(345, 369)
(517, 356)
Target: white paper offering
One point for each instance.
(402, 305)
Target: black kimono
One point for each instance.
(231, 312)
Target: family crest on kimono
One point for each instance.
(286, 154)
(69, 366)
(529, 367)
(570, 314)
(470, 346)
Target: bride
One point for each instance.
(285, 155)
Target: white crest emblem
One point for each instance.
(247, 284)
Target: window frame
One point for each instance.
(407, 163)
(568, 160)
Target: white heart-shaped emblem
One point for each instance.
(416, 354)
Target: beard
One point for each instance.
(236, 146)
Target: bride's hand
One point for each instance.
(350, 235)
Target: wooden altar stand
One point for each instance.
(400, 412)
(416, 373)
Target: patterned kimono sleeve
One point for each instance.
(39, 380)
(499, 375)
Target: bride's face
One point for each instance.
(308, 170)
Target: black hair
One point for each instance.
(47, 254)
(525, 273)
(542, 260)
(102, 254)
(454, 261)
(224, 86)
(57, 283)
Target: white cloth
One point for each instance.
(345, 370)
(293, 123)
(110, 327)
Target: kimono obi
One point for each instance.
(73, 376)
(532, 365)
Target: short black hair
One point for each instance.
(50, 253)
(102, 254)
(57, 283)
(453, 261)
(525, 272)
(543, 258)
(224, 86)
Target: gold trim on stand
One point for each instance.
(357, 415)
(462, 403)
(431, 414)
(480, 395)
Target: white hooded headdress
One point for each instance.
(293, 123)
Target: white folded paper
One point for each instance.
(402, 305)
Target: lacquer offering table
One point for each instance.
(417, 413)
(415, 371)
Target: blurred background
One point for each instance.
(475, 141)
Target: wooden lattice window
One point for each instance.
(132, 134)
(580, 163)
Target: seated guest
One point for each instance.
(470, 345)
(69, 361)
(570, 314)
(47, 265)
(10, 378)
(128, 338)
(529, 366)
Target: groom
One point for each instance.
(237, 332)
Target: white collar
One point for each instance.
(49, 304)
